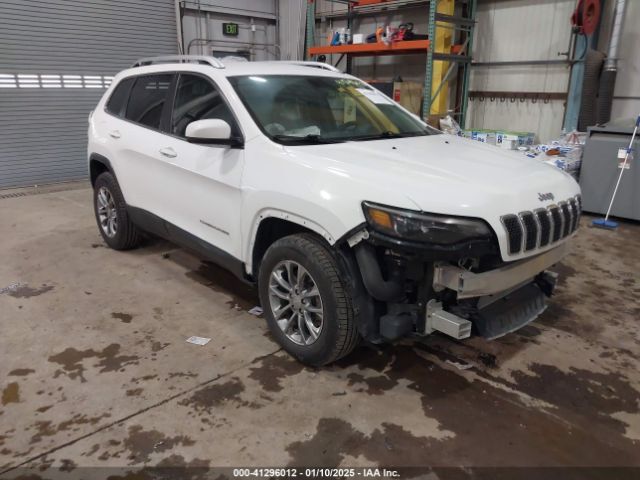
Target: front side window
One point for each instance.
(198, 99)
(318, 109)
(147, 99)
(118, 100)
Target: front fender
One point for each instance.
(306, 214)
(305, 188)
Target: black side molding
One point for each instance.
(151, 223)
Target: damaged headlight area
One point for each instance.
(424, 227)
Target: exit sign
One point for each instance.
(230, 29)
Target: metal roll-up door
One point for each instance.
(56, 59)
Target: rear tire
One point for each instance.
(313, 339)
(110, 209)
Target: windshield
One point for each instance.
(295, 109)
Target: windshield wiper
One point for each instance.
(311, 139)
(385, 135)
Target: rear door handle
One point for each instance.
(114, 133)
(168, 152)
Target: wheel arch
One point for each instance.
(98, 164)
(271, 225)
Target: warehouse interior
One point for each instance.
(156, 362)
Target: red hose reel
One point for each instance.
(586, 16)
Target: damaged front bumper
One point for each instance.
(422, 294)
(505, 299)
(468, 284)
(495, 315)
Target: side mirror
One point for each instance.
(211, 131)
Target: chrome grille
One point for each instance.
(566, 218)
(575, 213)
(514, 232)
(529, 230)
(544, 223)
(556, 222)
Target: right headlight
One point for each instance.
(423, 227)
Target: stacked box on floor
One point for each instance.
(513, 140)
(484, 136)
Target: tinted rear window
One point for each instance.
(147, 99)
(118, 100)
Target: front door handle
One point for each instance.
(168, 152)
(114, 133)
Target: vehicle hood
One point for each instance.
(448, 174)
(442, 174)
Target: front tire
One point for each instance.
(308, 309)
(110, 209)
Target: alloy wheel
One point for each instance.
(295, 302)
(107, 212)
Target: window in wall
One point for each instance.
(147, 99)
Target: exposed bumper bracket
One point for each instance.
(468, 284)
(357, 237)
(446, 322)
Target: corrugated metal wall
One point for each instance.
(521, 30)
(56, 59)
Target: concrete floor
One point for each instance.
(95, 370)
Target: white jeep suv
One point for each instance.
(355, 219)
